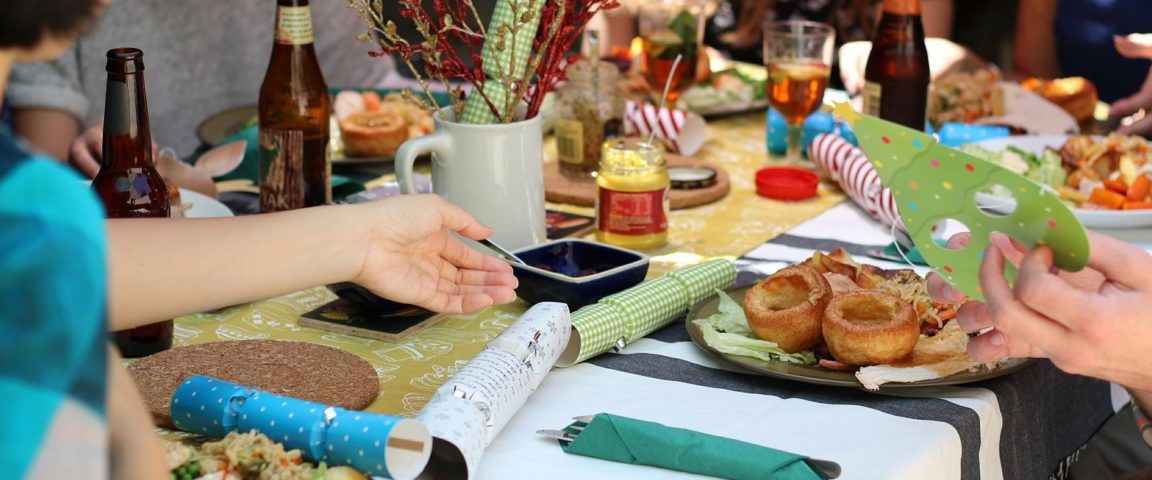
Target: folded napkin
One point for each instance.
(627, 440)
(680, 131)
(382, 445)
(622, 318)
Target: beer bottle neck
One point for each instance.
(293, 23)
(127, 135)
(902, 7)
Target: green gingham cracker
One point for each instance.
(642, 309)
(516, 48)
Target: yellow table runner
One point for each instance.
(411, 371)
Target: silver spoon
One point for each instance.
(502, 251)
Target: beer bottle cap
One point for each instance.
(787, 183)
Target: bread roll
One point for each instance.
(786, 307)
(868, 327)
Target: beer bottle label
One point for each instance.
(570, 141)
(872, 94)
(632, 213)
(294, 25)
(281, 170)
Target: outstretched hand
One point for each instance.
(412, 257)
(1093, 322)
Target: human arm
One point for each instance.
(937, 16)
(1034, 50)
(134, 448)
(49, 130)
(399, 248)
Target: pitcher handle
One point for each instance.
(438, 143)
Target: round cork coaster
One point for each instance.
(301, 370)
(582, 192)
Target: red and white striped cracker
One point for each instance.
(849, 167)
(680, 131)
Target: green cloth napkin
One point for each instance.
(627, 440)
(511, 55)
(641, 310)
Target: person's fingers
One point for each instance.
(461, 256)
(485, 278)
(1010, 316)
(84, 156)
(1141, 127)
(973, 317)
(994, 345)
(459, 220)
(1126, 47)
(1118, 261)
(942, 291)
(1041, 290)
(1012, 250)
(960, 240)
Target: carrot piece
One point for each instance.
(1116, 186)
(371, 101)
(1137, 205)
(1107, 198)
(1139, 189)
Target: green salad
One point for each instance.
(1045, 169)
(727, 331)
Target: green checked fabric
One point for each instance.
(511, 54)
(627, 440)
(641, 310)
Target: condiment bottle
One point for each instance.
(896, 76)
(632, 195)
(589, 110)
(128, 183)
(294, 117)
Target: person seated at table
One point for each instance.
(67, 276)
(203, 57)
(1069, 38)
(1094, 322)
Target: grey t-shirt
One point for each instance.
(201, 57)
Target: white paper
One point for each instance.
(475, 404)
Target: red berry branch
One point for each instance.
(457, 22)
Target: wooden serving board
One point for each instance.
(582, 192)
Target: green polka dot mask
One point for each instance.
(932, 183)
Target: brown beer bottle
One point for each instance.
(896, 76)
(294, 168)
(128, 183)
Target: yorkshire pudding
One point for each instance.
(373, 134)
(868, 327)
(785, 308)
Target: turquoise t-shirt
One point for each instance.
(53, 329)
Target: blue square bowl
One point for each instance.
(576, 272)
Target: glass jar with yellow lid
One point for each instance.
(632, 194)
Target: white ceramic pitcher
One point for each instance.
(493, 171)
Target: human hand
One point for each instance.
(1092, 322)
(87, 150)
(1135, 45)
(412, 257)
(1133, 106)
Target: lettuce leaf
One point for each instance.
(727, 331)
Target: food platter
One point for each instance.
(818, 375)
(1099, 219)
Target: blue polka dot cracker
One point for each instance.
(380, 445)
(932, 183)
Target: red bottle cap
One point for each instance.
(787, 183)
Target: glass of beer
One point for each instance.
(798, 55)
(669, 28)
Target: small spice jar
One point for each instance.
(632, 201)
(589, 110)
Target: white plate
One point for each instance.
(1098, 219)
(203, 206)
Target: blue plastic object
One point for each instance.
(815, 124)
(956, 134)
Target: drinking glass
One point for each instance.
(669, 28)
(798, 55)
